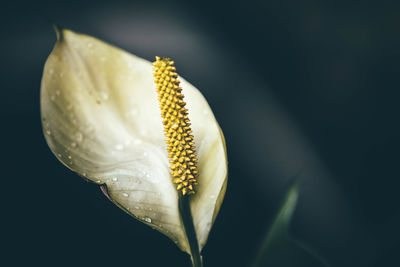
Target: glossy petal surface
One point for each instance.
(102, 120)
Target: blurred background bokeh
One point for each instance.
(305, 89)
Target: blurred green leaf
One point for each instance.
(279, 248)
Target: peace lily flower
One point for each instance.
(101, 116)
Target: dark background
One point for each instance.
(304, 89)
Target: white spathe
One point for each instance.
(101, 119)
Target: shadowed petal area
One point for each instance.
(101, 119)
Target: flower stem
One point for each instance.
(187, 220)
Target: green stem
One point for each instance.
(186, 215)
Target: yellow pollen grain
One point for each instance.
(181, 149)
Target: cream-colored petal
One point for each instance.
(102, 120)
(213, 169)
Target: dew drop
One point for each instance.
(104, 95)
(59, 155)
(79, 137)
(125, 194)
(119, 147)
(137, 142)
(132, 112)
(114, 179)
(127, 142)
(69, 157)
(48, 132)
(147, 219)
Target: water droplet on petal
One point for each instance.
(125, 194)
(104, 95)
(134, 112)
(208, 226)
(119, 147)
(48, 132)
(69, 157)
(127, 142)
(147, 219)
(79, 137)
(114, 179)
